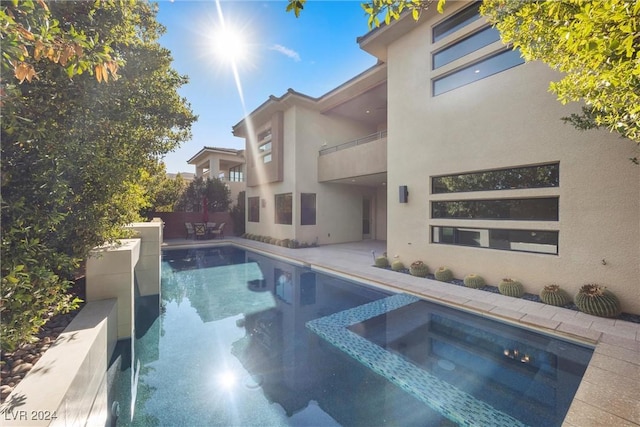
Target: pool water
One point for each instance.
(239, 339)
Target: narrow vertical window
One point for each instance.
(254, 209)
(284, 208)
(308, 209)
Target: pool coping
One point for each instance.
(608, 393)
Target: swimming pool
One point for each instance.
(245, 339)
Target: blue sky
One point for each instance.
(312, 54)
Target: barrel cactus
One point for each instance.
(474, 281)
(443, 274)
(397, 265)
(598, 301)
(418, 269)
(553, 295)
(511, 288)
(382, 261)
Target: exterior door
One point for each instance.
(366, 218)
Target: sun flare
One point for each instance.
(229, 44)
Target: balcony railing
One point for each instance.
(369, 138)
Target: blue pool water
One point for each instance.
(240, 339)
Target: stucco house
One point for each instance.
(452, 149)
(226, 164)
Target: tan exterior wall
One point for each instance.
(338, 206)
(509, 119)
(366, 159)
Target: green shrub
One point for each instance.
(443, 274)
(474, 281)
(598, 301)
(511, 288)
(418, 269)
(553, 295)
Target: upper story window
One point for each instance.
(236, 174)
(265, 147)
(456, 22)
(264, 136)
(477, 71)
(540, 176)
(465, 46)
(267, 158)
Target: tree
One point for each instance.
(211, 191)
(163, 192)
(76, 144)
(596, 44)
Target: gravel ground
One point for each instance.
(16, 365)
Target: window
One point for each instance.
(469, 44)
(236, 174)
(254, 209)
(540, 176)
(264, 135)
(533, 209)
(456, 22)
(266, 158)
(284, 208)
(544, 242)
(484, 68)
(265, 147)
(308, 209)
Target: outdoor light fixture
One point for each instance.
(404, 194)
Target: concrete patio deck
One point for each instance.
(609, 393)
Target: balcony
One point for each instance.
(361, 157)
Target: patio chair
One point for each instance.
(190, 231)
(200, 229)
(210, 227)
(218, 231)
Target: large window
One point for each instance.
(254, 209)
(456, 22)
(307, 209)
(540, 176)
(236, 174)
(545, 242)
(531, 209)
(477, 71)
(469, 44)
(284, 208)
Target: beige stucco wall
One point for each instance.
(338, 206)
(510, 119)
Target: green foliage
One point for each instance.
(77, 152)
(553, 295)
(511, 288)
(163, 192)
(594, 44)
(443, 274)
(211, 191)
(598, 301)
(474, 281)
(418, 269)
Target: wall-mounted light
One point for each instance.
(404, 194)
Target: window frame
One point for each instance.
(281, 201)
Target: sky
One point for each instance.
(312, 54)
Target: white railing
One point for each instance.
(369, 138)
